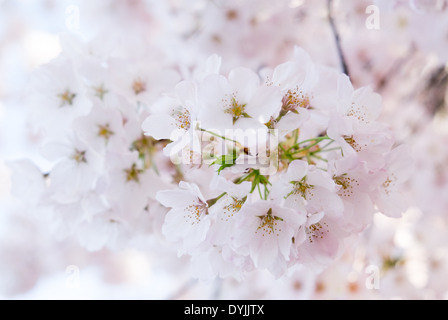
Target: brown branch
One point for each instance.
(337, 38)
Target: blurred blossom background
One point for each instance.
(398, 47)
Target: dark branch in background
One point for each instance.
(396, 68)
(435, 91)
(337, 38)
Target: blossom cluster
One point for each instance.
(195, 138)
(86, 112)
(258, 170)
(316, 174)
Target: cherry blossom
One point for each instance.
(285, 149)
(239, 101)
(269, 234)
(308, 188)
(188, 220)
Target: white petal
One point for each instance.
(243, 82)
(289, 74)
(174, 227)
(176, 198)
(27, 181)
(322, 179)
(297, 170)
(368, 103)
(265, 102)
(296, 202)
(315, 218)
(159, 126)
(193, 188)
(187, 94)
(264, 252)
(292, 121)
(345, 88)
(197, 234)
(56, 150)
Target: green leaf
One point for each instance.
(225, 161)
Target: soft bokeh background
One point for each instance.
(405, 60)
(33, 265)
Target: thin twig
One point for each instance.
(395, 69)
(337, 38)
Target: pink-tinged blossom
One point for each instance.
(142, 81)
(102, 129)
(362, 105)
(77, 168)
(269, 231)
(128, 187)
(318, 241)
(55, 97)
(238, 101)
(226, 210)
(296, 80)
(171, 114)
(188, 221)
(355, 189)
(308, 188)
(175, 118)
(366, 141)
(390, 196)
(136, 113)
(354, 124)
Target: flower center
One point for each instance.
(301, 188)
(354, 144)
(295, 99)
(67, 98)
(100, 91)
(317, 231)
(139, 86)
(389, 183)
(269, 224)
(133, 174)
(105, 132)
(233, 208)
(183, 119)
(358, 113)
(272, 123)
(347, 185)
(79, 156)
(195, 212)
(236, 110)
